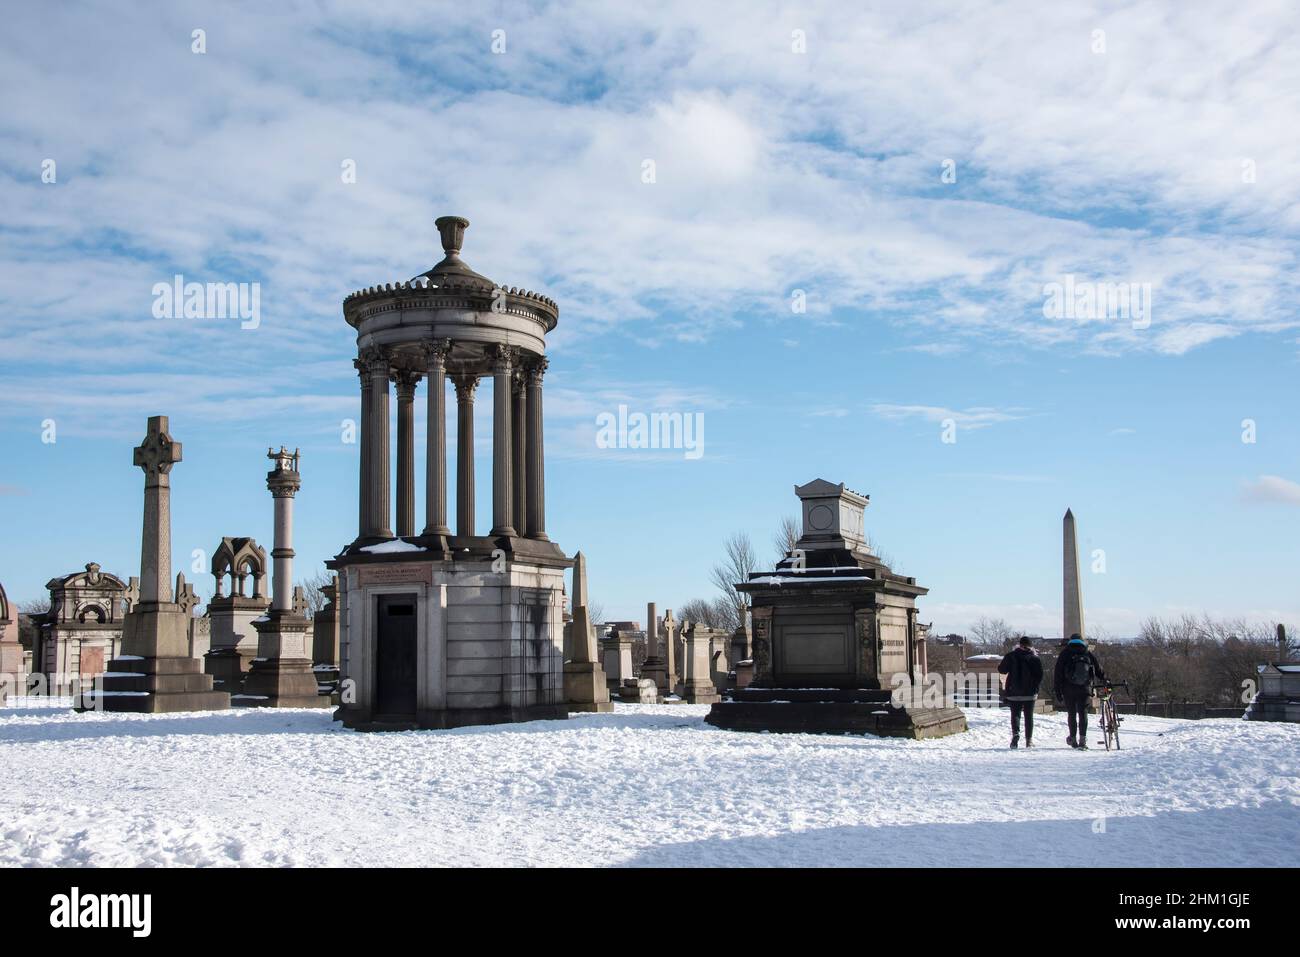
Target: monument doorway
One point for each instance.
(395, 665)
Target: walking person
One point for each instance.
(1024, 676)
(1076, 669)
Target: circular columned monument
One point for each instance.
(446, 625)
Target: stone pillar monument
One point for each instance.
(1073, 591)
(155, 673)
(281, 675)
(584, 679)
(697, 685)
(654, 667)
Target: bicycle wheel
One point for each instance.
(1115, 717)
(1107, 721)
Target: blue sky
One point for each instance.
(1160, 158)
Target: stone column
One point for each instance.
(375, 445)
(281, 675)
(367, 435)
(536, 454)
(518, 452)
(435, 478)
(405, 381)
(156, 455)
(283, 482)
(502, 447)
(465, 386)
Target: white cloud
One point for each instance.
(976, 417)
(1271, 490)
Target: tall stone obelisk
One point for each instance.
(281, 676)
(1073, 591)
(154, 672)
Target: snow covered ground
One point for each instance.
(647, 785)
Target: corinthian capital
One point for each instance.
(537, 369)
(465, 386)
(435, 354)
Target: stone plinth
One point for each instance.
(477, 641)
(281, 676)
(618, 659)
(831, 711)
(233, 639)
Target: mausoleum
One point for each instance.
(834, 632)
(443, 626)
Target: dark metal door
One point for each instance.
(395, 659)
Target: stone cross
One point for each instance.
(185, 596)
(156, 455)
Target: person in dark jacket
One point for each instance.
(1076, 670)
(1024, 674)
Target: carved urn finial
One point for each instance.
(452, 231)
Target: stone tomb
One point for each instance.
(834, 631)
(82, 631)
(154, 672)
(441, 628)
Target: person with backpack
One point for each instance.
(1076, 669)
(1024, 675)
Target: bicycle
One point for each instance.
(1109, 717)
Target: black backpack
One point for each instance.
(1078, 671)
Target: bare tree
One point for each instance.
(786, 537)
(34, 606)
(596, 611)
(311, 586)
(991, 634)
(738, 563)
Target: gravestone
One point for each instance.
(154, 672)
(697, 684)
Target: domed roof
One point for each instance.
(451, 285)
